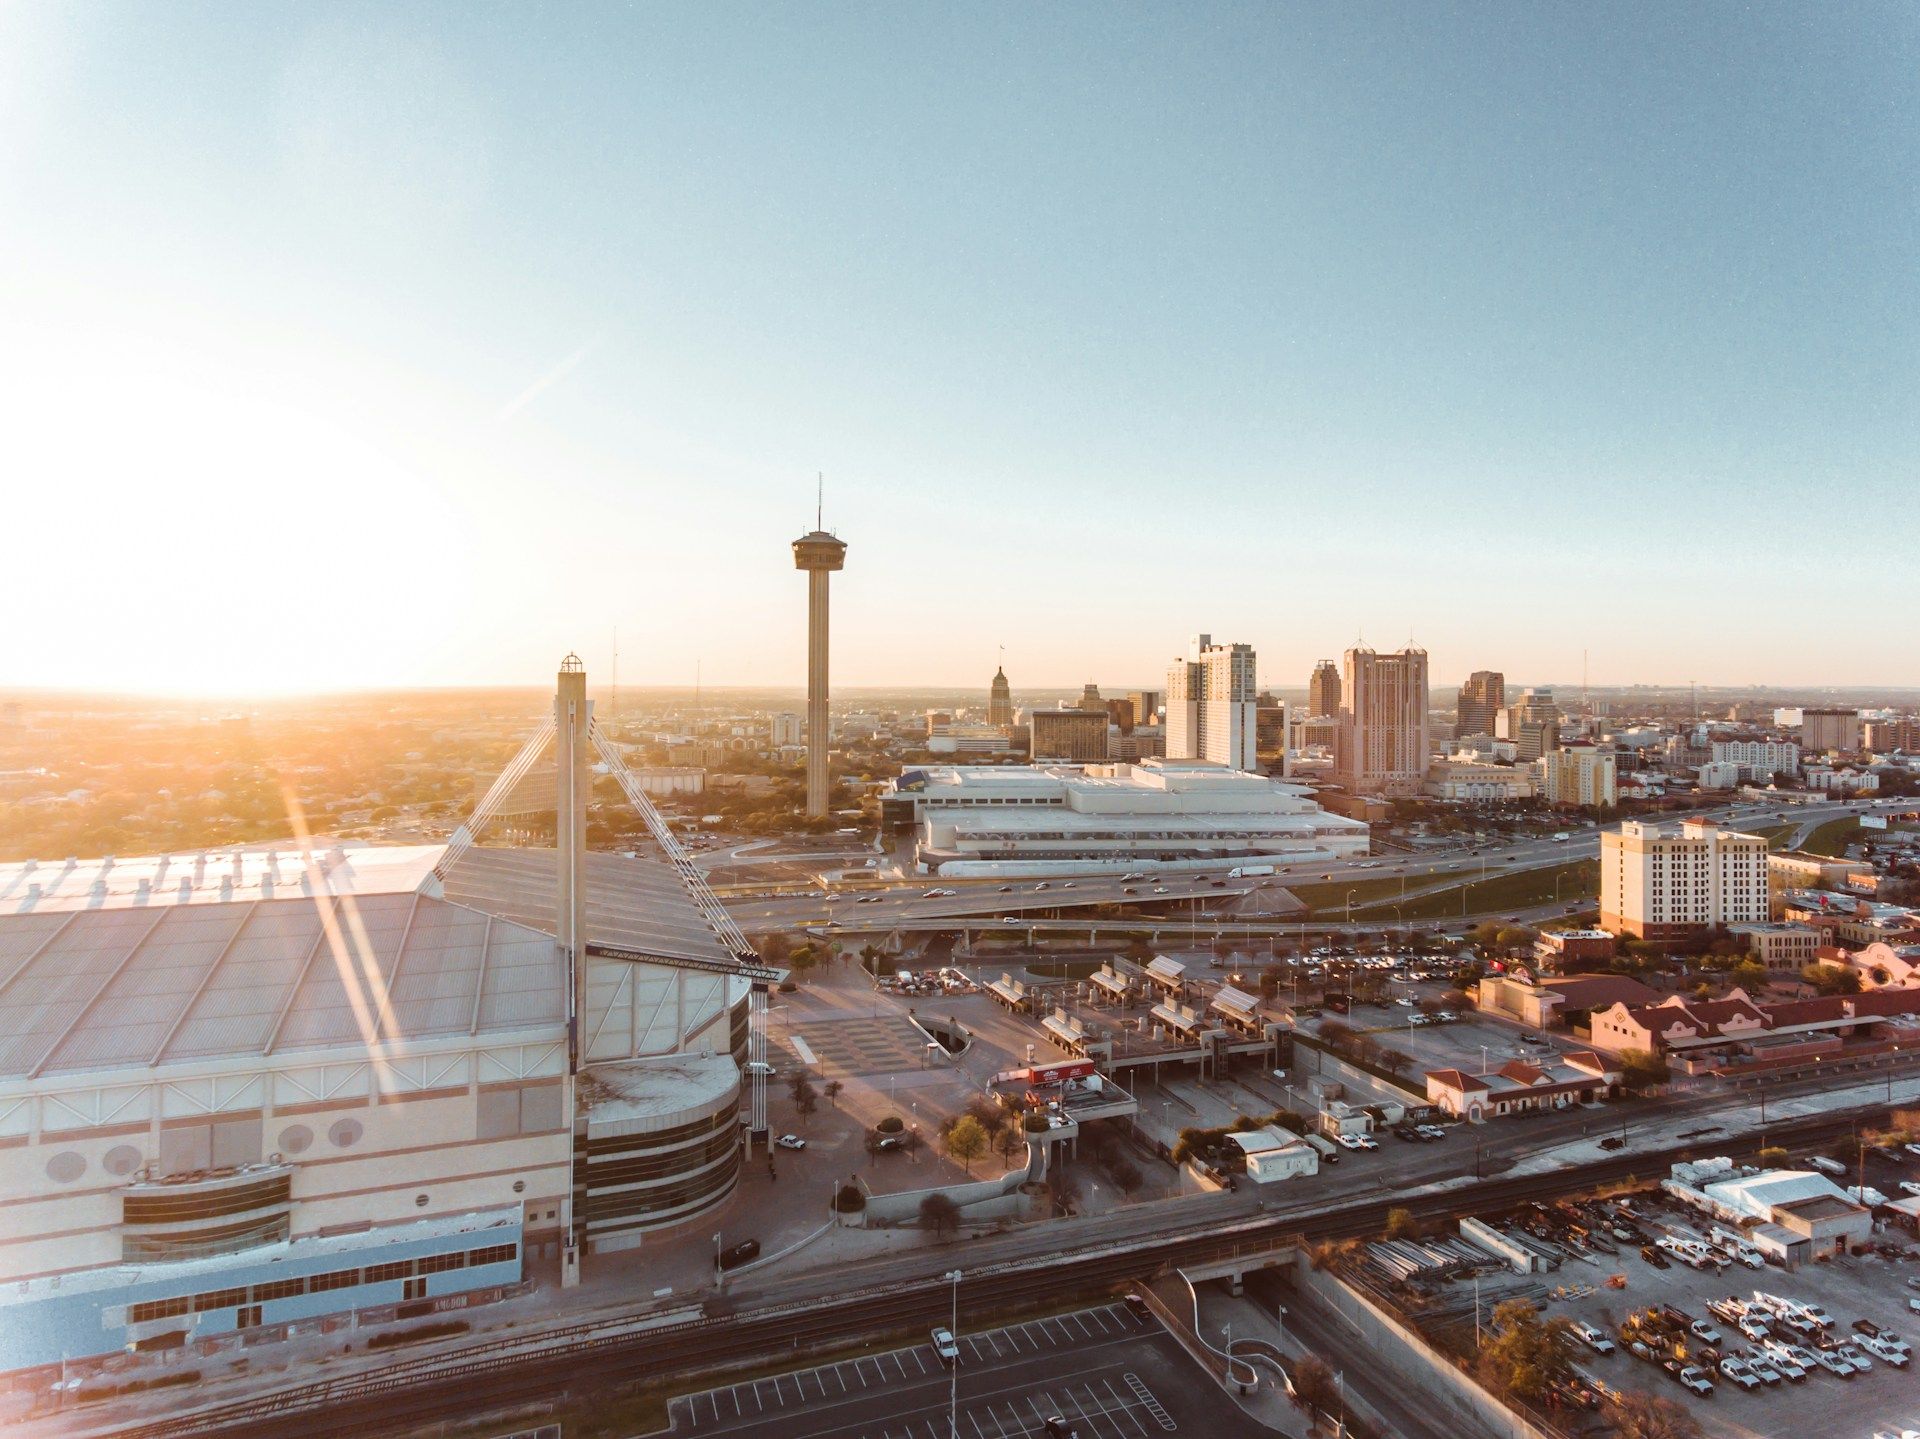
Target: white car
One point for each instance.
(1347, 1141)
(1896, 1355)
(945, 1346)
(1593, 1339)
(790, 1141)
(1908, 1186)
(1363, 1142)
(759, 1067)
(1700, 1329)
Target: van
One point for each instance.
(1826, 1165)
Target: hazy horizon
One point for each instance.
(356, 348)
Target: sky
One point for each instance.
(356, 346)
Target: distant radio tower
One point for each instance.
(613, 686)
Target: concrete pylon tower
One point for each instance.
(572, 773)
(819, 554)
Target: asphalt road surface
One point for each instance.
(1108, 1373)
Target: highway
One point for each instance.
(870, 908)
(902, 1292)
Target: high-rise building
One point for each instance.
(819, 554)
(1482, 698)
(1758, 760)
(1822, 730)
(1090, 701)
(1146, 706)
(1580, 774)
(1212, 713)
(1667, 882)
(1076, 735)
(1532, 722)
(1383, 722)
(1000, 699)
(1120, 713)
(1270, 728)
(1323, 690)
(786, 729)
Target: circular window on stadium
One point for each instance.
(121, 1159)
(296, 1138)
(519, 1186)
(67, 1167)
(419, 1201)
(345, 1133)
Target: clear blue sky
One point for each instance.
(375, 344)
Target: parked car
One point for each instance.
(738, 1254)
(1736, 1371)
(946, 1346)
(1588, 1335)
(791, 1141)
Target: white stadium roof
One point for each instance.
(169, 959)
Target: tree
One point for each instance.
(775, 949)
(1524, 1354)
(940, 1214)
(1642, 1068)
(1064, 1188)
(967, 1141)
(1637, 1414)
(1126, 1175)
(1395, 1061)
(1313, 1384)
(1832, 978)
(1010, 1141)
(1772, 1157)
(1748, 974)
(800, 1088)
(832, 1088)
(1401, 1224)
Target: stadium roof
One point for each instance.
(169, 959)
(632, 903)
(125, 987)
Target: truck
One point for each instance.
(1328, 1151)
(1249, 871)
(1562, 837)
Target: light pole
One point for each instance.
(716, 1259)
(953, 1378)
(1350, 894)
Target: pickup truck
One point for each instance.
(1735, 1371)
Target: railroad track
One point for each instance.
(604, 1356)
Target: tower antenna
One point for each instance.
(819, 499)
(613, 675)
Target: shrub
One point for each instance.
(849, 1200)
(892, 1124)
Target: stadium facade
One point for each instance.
(250, 1090)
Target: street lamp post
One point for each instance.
(1350, 894)
(952, 1276)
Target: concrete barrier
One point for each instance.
(1402, 1349)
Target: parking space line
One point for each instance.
(1124, 1407)
(1078, 1319)
(917, 1360)
(1100, 1318)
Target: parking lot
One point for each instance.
(1863, 1287)
(1107, 1372)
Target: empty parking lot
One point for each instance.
(1109, 1373)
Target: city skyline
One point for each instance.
(419, 369)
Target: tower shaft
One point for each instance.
(817, 693)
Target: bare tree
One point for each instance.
(940, 1214)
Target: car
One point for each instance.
(1692, 1378)
(1700, 1329)
(1006, 889)
(1913, 1149)
(1010, 919)
(946, 1346)
(1753, 1327)
(1347, 1141)
(790, 1141)
(889, 1142)
(1833, 1364)
(1137, 1305)
(1654, 1257)
(1898, 1355)
(1908, 1186)
(1588, 1335)
(759, 1067)
(735, 1255)
(1762, 1369)
(1736, 1371)
(1058, 1428)
(1366, 1143)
